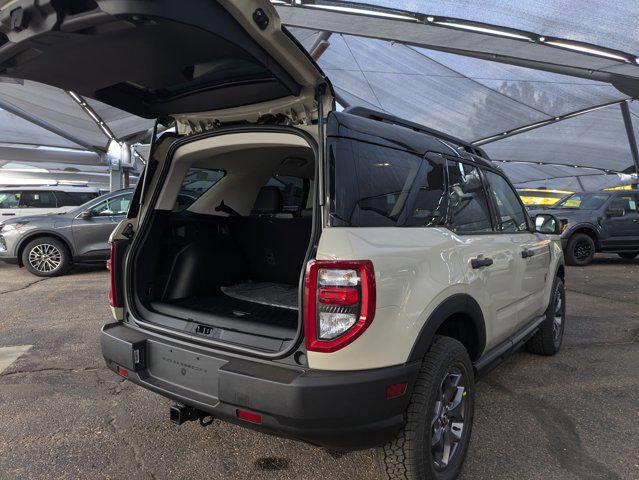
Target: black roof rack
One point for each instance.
(385, 117)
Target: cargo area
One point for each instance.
(226, 261)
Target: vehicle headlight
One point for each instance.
(11, 226)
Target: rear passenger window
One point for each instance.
(41, 199)
(196, 182)
(9, 199)
(467, 205)
(510, 214)
(370, 184)
(293, 191)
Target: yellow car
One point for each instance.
(540, 196)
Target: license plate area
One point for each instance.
(184, 368)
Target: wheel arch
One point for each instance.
(29, 238)
(588, 230)
(460, 317)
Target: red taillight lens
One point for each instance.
(123, 372)
(249, 416)
(339, 301)
(114, 265)
(338, 296)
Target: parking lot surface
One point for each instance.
(64, 415)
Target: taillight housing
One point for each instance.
(339, 302)
(114, 264)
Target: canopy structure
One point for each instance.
(49, 133)
(542, 87)
(513, 77)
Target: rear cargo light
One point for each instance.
(249, 416)
(339, 300)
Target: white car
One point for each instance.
(336, 277)
(37, 200)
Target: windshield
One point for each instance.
(583, 201)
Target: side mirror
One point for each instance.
(615, 212)
(85, 215)
(548, 224)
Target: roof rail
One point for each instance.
(385, 117)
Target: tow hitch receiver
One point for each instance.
(183, 413)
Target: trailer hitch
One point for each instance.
(180, 414)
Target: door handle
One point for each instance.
(8, 214)
(527, 253)
(481, 262)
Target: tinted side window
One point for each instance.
(428, 195)
(510, 214)
(370, 185)
(41, 199)
(9, 199)
(113, 206)
(196, 182)
(467, 205)
(292, 189)
(627, 203)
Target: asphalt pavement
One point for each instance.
(63, 415)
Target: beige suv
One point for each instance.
(336, 277)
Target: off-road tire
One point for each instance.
(546, 341)
(408, 456)
(576, 242)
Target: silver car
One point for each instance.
(47, 245)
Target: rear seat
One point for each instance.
(274, 247)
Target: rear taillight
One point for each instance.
(339, 300)
(114, 264)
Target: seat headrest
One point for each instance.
(269, 201)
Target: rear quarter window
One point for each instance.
(196, 182)
(374, 186)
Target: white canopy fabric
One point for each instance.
(57, 108)
(480, 100)
(452, 85)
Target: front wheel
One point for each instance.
(46, 257)
(432, 444)
(580, 250)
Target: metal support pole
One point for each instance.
(632, 139)
(581, 185)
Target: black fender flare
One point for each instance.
(596, 231)
(459, 303)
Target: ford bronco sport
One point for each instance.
(336, 277)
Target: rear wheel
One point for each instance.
(628, 255)
(432, 444)
(580, 250)
(46, 257)
(549, 337)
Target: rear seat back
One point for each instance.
(274, 247)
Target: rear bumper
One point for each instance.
(338, 410)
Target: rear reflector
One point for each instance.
(395, 390)
(249, 416)
(123, 372)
